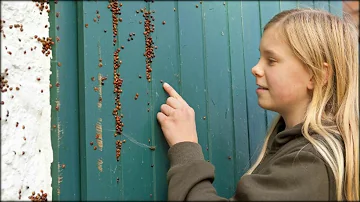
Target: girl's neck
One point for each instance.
(292, 122)
(294, 116)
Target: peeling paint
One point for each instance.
(57, 102)
(100, 91)
(60, 178)
(99, 133)
(57, 81)
(99, 165)
(99, 48)
(59, 135)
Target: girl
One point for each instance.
(308, 73)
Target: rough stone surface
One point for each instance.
(29, 107)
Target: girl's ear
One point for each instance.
(311, 82)
(310, 85)
(327, 72)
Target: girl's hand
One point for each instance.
(177, 119)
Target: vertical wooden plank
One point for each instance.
(336, 8)
(267, 11)
(287, 5)
(136, 157)
(193, 69)
(219, 90)
(238, 80)
(256, 115)
(100, 168)
(322, 5)
(306, 4)
(82, 107)
(64, 138)
(165, 67)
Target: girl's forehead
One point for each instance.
(273, 41)
(273, 35)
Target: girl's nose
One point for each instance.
(257, 71)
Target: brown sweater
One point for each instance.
(290, 170)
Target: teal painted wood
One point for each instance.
(239, 102)
(335, 7)
(323, 5)
(306, 4)
(205, 53)
(268, 10)
(101, 170)
(138, 180)
(166, 67)
(64, 138)
(256, 115)
(82, 102)
(193, 69)
(220, 117)
(286, 5)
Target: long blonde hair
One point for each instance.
(317, 37)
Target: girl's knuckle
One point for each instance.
(168, 99)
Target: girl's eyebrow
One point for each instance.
(268, 52)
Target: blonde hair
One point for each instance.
(317, 37)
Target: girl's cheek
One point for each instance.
(288, 94)
(282, 92)
(286, 97)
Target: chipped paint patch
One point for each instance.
(57, 81)
(58, 134)
(100, 91)
(60, 178)
(99, 165)
(57, 102)
(99, 48)
(99, 140)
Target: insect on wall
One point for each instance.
(115, 9)
(149, 28)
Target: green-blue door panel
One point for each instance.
(205, 51)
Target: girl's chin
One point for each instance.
(265, 105)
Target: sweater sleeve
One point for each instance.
(293, 176)
(299, 175)
(190, 177)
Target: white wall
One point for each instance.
(29, 106)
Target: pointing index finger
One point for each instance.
(172, 92)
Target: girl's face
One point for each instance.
(284, 83)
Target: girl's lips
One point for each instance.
(261, 89)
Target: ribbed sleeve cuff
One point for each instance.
(184, 152)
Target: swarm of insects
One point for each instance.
(38, 197)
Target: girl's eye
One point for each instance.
(271, 61)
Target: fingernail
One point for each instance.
(166, 85)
